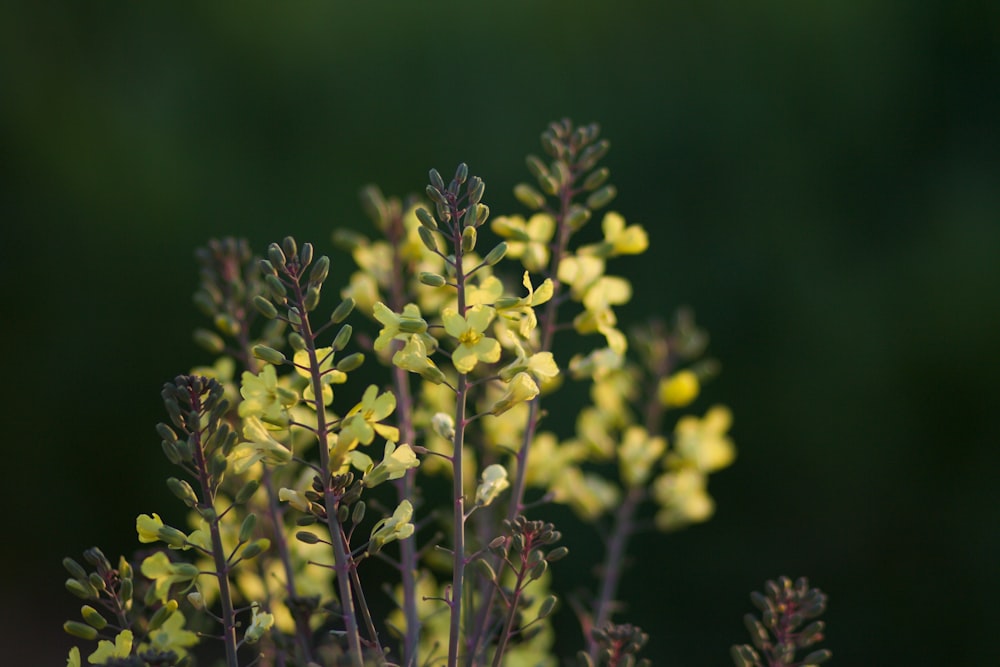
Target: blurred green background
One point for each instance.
(820, 181)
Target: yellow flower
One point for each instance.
(106, 650)
(294, 498)
(473, 345)
(171, 636)
(522, 387)
(262, 397)
(74, 657)
(391, 528)
(148, 527)
(683, 499)
(679, 389)
(413, 357)
(702, 443)
(541, 365)
(362, 422)
(258, 445)
(618, 239)
(260, 623)
(397, 326)
(165, 573)
(527, 241)
(521, 311)
(395, 462)
(328, 374)
(493, 482)
(637, 454)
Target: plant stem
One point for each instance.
(331, 497)
(218, 551)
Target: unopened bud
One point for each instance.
(426, 219)
(276, 256)
(268, 354)
(81, 630)
(246, 491)
(427, 237)
(351, 362)
(320, 270)
(255, 548)
(529, 196)
(495, 255)
(602, 197)
(183, 491)
(306, 255)
(343, 337)
(209, 340)
(342, 310)
(431, 279)
(436, 180)
(469, 239)
(246, 528)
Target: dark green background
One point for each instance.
(821, 181)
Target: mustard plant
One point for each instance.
(304, 486)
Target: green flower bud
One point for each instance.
(436, 180)
(427, 237)
(246, 491)
(125, 592)
(412, 325)
(268, 354)
(538, 571)
(217, 466)
(434, 193)
(306, 255)
(80, 590)
(204, 303)
(343, 337)
(246, 528)
(183, 491)
(290, 247)
(596, 179)
(255, 548)
(529, 196)
(172, 536)
(495, 255)
(557, 554)
(469, 239)
(297, 342)
(306, 537)
(548, 606)
(461, 173)
(97, 581)
(817, 657)
(227, 324)
(81, 630)
(602, 197)
(358, 514)
(74, 568)
(536, 166)
(476, 190)
(185, 570)
(267, 268)
(311, 299)
(276, 288)
(431, 279)
(209, 340)
(348, 239)
(593, 154)
(549, 185)
(342, 310)
(577, 217)
(351, 362)
(433, 374)
(162, 614)
(293, 316)
(343, 513)
(277, 257)
(320, 271)
(426, 219)
(265, 307)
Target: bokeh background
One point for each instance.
(820, 181)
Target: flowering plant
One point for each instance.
(303, 484)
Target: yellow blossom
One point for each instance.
(171, 636)
(703, 443)
(492, 482)
(521, 311)
(637, 454)
(363, 421)
(522, 387)
(328, 373)
(473, 345)
(258, 445)
(121, 648)
(395, 462)
(683, 499)
(527, 241)
(262, 397)
(618, 239)
(397, 326)
(679, 389)
(391, 528)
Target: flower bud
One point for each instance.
(343, 337)
(255, 548)
(183, 491)
(577, 216)
(436, 181)
(426, 219)
(268, 354)
(469, 239)
(81, 630)
(307, 537)
(246, 491)
(529, 196)
(351, 362)
(162, 614)
(602, 197)
(596, 179)
(311, 298)
(427, 237)
(276, 288)
(461, 173)
(209, 340)
(289, 246)
(431, 279)
(80, 590)
(342, 310)
(276, 257)
(306, 255)
(494, 256)
(246, 528)
(320, 270)
(74, 568)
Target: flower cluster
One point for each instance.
(296, 475)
